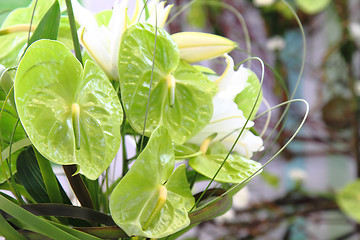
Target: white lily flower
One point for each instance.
(103, 42)
(228, 120)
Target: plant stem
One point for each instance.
(125, 167)
(78, 186)
(73, 30)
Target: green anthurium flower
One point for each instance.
(15, 30)
(181, 95)
(102, 42)
(151, 200)
(235, 170)
(71, 114)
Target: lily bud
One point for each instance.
(196, 46)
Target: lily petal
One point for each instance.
(83, 16)
(162, 14)
(196, 46)
(231, 82)
(94, 44)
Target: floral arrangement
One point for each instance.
(130, 77)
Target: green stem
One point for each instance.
(125, 167)
(12, 179)
(73, 30)
(193, 180)
(78, 186)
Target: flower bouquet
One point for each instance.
(76, 84)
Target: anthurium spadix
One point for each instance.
(180, 97)
(71, 114)
(102, 40)
(197, 46)
(151, 200)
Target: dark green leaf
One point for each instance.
(7, 231)
(48, 27)
(30, 176)
(35, 223)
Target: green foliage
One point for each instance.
(312, 7)
(48, 82)
(48, 27)
(36, 224)
(235, 170)
(248, 95)
(349, 200)
(134, 203)
(192, 107)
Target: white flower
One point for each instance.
(103, 42)
(297, 174)
(228, 120)
(354, 29)
(240, 200)
(275, 43)
(260, 3)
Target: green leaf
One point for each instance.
(49, 178)
(8, 121)
(312, 7)
(13, 44)
(270, 178)
(7, 124)
(32, 178)
(186, 150)
(236, 168)
(140, 192)
(7, 231)
(29, 174)
(36, 224)
(14, 4)
(48, 27)
(247, 97)
(349, 200)
(49, 82)
(103, 18)
(183, 112)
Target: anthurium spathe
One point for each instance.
(71, 114)
(103, 42)
(180, 95)
(227, 119)
(151, 200)
(197, 46)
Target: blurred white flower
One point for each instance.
(240, 200)
(357, 87)
(354, 29)
(227, 217)
(103, 42)
(297, 174)
(227, 119)
(260, 3)
(275, 43)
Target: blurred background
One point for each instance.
(304, 193)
